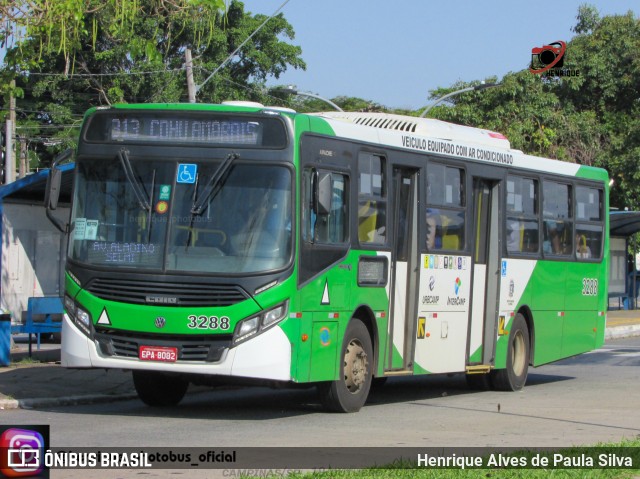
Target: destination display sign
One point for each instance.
(184, 128)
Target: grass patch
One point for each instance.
(26, 361)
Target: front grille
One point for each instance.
(134, 291)
(208, 349)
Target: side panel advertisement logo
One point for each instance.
(457, 285)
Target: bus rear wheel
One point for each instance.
(349, 393)
(158, 390)
(514, 376)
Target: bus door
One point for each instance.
(404, 270)
(483, 320)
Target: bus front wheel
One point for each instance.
(158, 390)
(514, 376)
(350, 391)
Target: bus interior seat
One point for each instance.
(451, 242)
(367, 227)
(450, 239)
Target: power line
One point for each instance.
(233, 54)
(45, 127)
(89, 75)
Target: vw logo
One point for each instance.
(160, 322)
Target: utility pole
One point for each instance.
(191, 86)
(10, 162)
(22, 170)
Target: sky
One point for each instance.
(394, 52)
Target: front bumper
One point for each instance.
(267, 356)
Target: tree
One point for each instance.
(524, 108)
(605, 50)
(66, 26)
(591, 118)
(137, 55)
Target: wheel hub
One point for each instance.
(355, 366)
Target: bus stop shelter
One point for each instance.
(623, 274)
(32, 258)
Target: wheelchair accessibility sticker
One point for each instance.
(187, 173)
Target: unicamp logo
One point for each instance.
(549, 60)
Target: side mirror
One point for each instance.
(52, 192)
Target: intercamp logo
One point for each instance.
(457, 285)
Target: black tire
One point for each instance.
(514, 376)
(379, 382)
(349, 393)
(159, 390)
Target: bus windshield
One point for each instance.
(242, 222)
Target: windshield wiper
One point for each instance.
(214, 184)
(138, 188)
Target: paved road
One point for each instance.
(582, 400)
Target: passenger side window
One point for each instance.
(557, 219)
(372, 199)
(522, 229)
(589, 223)
(445, 215)
(326, 223)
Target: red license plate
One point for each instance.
(158, 353)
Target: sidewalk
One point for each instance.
(42, 382)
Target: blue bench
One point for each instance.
(45, 306)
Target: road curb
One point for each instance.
(620, 332)
(32, 403)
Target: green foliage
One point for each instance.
(591, 119)
(76, 54)
(66, 26)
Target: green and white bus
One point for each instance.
(242, 242)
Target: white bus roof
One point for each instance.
(424, 127)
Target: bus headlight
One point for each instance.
(83, 317)
(254, 325)
(70, 306)
(247, 328)
(80, 317)
(274, 315)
